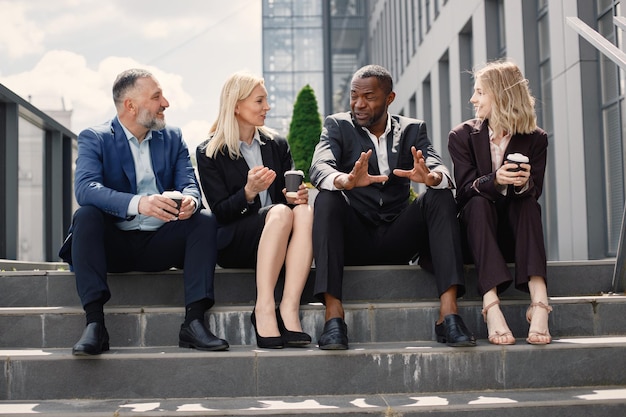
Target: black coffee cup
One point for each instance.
(293, 179)
(177, 196)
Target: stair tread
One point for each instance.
(355, 349)
(382, 304)
(375, 321)
(367, 368)
(378, 404)
(236, 286)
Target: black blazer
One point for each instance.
(469, 148)
(223, 179)
(340, 146)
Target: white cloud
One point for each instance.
(66, 75)
(164, 28)
(70, 51)
(194, 133)
(73, 17)
(19, 36)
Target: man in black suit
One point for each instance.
(363, 166)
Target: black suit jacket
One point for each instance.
(469, 148)
(223, 179)
(340, 146)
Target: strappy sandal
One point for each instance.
(529, 317)
(492, 337)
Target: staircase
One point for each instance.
(393, 367)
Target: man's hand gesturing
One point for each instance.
(359, 176)
(420, 172)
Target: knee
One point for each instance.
(87, 217)
(328, 202)
(477, 211)
(280, 217)
(89, 213)
(442, 201)
(528, 204)
(442, 196)
(303, 215)
(478, 204)
(203, 220)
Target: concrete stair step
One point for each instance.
(586, 401)
(51, 288)
(393, 368)
(61, 327)
(426, 368)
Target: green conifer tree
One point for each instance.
(305, 129)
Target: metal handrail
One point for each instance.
(618, 57)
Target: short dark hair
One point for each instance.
(125, 81)
(384, 77)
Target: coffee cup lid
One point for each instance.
(173, 194)
(517, 157)
(298, 172)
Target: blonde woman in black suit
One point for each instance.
(241, 168)
(498, 199)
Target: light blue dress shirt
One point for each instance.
(146, 184)
(252, 154)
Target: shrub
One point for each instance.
(305, 129)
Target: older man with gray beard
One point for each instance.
(125, 223)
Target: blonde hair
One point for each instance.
(512, 104)
(224, 133)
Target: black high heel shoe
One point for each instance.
(291, 339)
(272, 342)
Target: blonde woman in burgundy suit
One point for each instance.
(498, 203)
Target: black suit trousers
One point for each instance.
(99, 246)
(427, 227)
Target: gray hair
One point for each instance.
(126, 81)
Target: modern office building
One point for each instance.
(431, 46)
(319, 43)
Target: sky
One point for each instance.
(68, 53)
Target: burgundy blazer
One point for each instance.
(468, 144)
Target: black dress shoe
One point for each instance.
(453, 332)
(94, 341)
(334, 336)
(196, 335)
(291, 339)
(271, 342)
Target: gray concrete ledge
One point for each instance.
(365, 369)
(605, 401)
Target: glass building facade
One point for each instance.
(431, 47)
(580, 96)
(319, 43)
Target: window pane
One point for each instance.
(30, 193)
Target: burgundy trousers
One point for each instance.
(508, 230)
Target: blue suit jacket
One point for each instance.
(105, 170)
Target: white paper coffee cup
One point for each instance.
(293, 179)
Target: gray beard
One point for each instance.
(149, 122)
